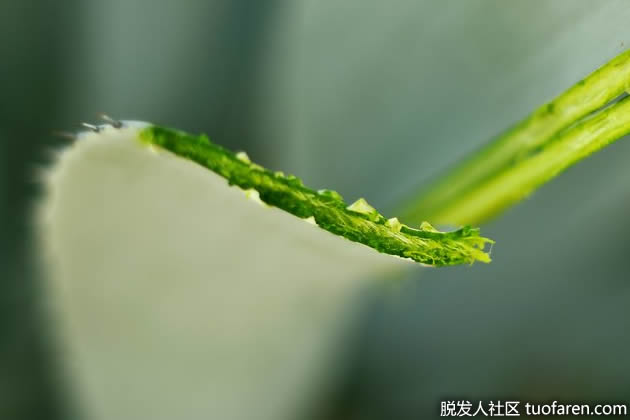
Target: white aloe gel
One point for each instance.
(176, 297)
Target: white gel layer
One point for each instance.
(178, 298)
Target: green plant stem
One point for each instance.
(552, 138)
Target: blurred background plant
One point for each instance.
(370, 98)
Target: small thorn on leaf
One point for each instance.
(114, 123)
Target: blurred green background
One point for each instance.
(370, 98)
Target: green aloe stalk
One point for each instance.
(587, 117)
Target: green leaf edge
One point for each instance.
(358, 222)
(582, 120)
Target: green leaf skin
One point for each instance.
(552, 138)
(562, 151)
(358, 222)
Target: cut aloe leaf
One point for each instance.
(177, 296)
